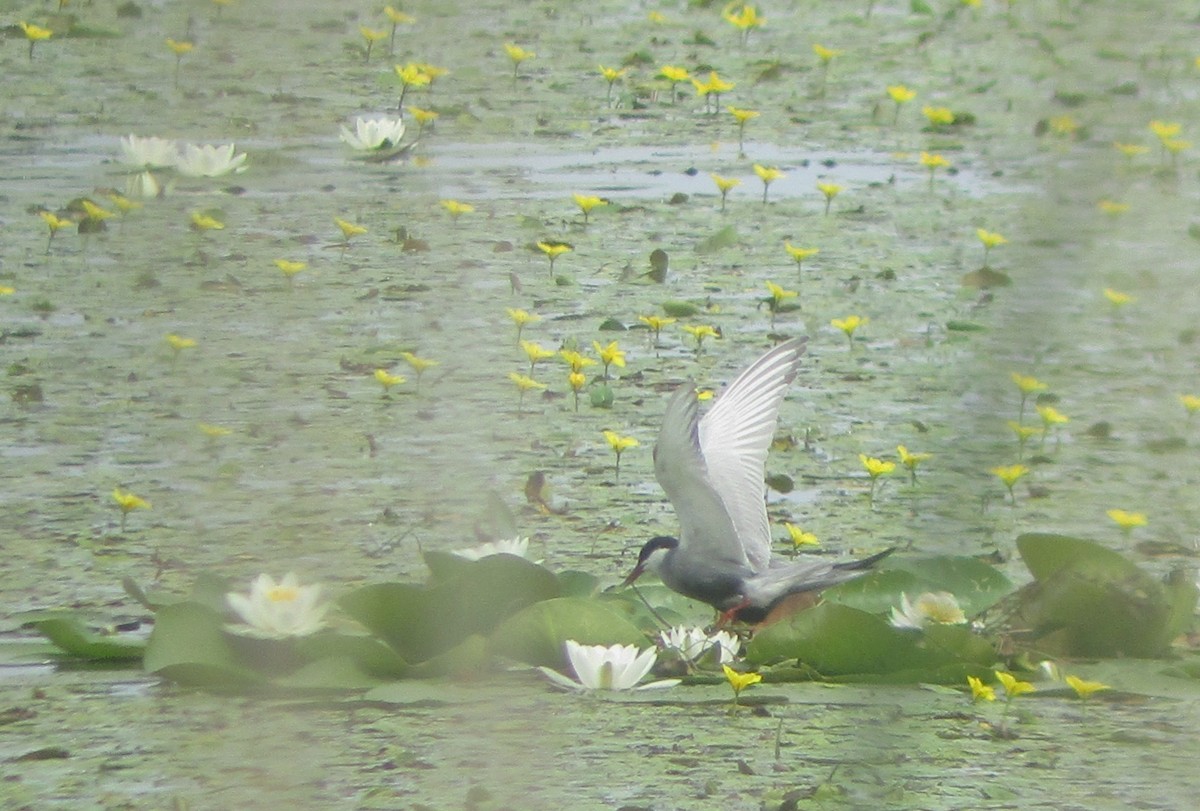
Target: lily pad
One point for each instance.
(70, 634)
(723, 238)
(536, 634)
(976, 585)
(189, 647)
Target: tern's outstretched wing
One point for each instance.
(705, 528)
(734, 438)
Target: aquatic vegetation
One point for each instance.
(349, 230)
(518, 546)
(180, 48)
(535, 352)
(830, 191)
(768, 175)
(694, 645)
(656, 324)
(710, 90)
(938, 117)
(410, 75)
(724, 184)
(397, 18)
(933, 162)
(577, 382)
(619, 444)
(849, 325)
(423, 118)
(1191, 403)
(522, 318)
(989, 240)
(608, 667)
(674, 75)
(1127, 520)
(201, 222)
(1112, 207)
(1027, 385)
(577, 361)
(777, 301)
(742, 117)
(930, 608)
(34, 34)
(457, 208)
(178, 343)
(210, 161)
(1051, 418)
(587, 202)
(611, 77)
(611, 354)
(290, 268)
(900, 95)
(875, 468)
(979, 690)
(744, 19)
(524, 383)
(388, 380)
(739, 681)
(54, 223)
(799, 537)
(553, 250)
(418, 364)
(149, 152)
(517, 55)
(699, 332)
(278, 610)
(127, 502)
(799, 254)
(825, 57)
(372, 134)
(1083, 688)
(1009, 475)
(1024, 433)
(911, 460)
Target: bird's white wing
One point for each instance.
(705, 528)
(735, 436)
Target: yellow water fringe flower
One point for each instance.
(1191, 403)
(610, 355)
(95, 212)
(1127, 521)
(1013, 687)
(349, 230)
(536, 352)
(700, 332)
(54, 223)
(180, 47)
(553, 250)
(1009, 475)
(456, 208)
(1131, 151)
(900, 94)
(1084, 688)
(418, 364)
(7, 290)
(849, 325)
(1165, 130)
(521, 318)
(711, 89)
(980, 691)
(989, 240)
(371, 35)
(876, 467)
(587, 202)
(674, 75)
(205, 222)
(740, 681)
(577, 381)
(1176, 145)
(799, 254)
(123, 203)
(518, 55)
(768, 175)
(178, 343)
(1112, 207)
(938, 116)
(34, 33)
(422, 116)
(127, 502)
(826, 55)
(388, 380)
(911, 460)
(799, 537)
(576, 360)
(933, 162)
(612, 76)
(398, 17)
(830, 190)
(742, 116)
(213, 431)
(619, 443)
(656, 323)
(743, 19)
(724, 184)
(524, 383)
(290, 268)
(1027, 383)
(779, 295)
(1051, 415)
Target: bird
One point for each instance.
(712, 469)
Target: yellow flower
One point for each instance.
(35, 33)
(656, 323)
(398, 17)
(1190, 402)
(742, 116)
(990, 239)
(933, 161)
(744, 18)
(205, 222)
(1127, 520)
(826, 55)
(876, 467)
(799, 254)
(612, 75)
(289, 267)
(95, 212)
(525, 383)
(767, 174)
(700, 332)
(713, 86)
(1131, 151)
(587, 202)
(779, 295)
(848, 325)
(981, 691)
(423, 116)
(938, 116)
(1012, 686)
(576, 380)
(1051, 415)
(800, 537)
(123, 203)
(674, 74)
(387, 379)
(911, 460)
(1064, 125)
(214, 431)
(656, 17)
(411, 75)
(521, 318)
(7, 290)
(900, 94)
(576, 360)
(740, 681)
(1023, 432)
(179, 48)
(457, 208)
(535, 352)
(1083, 688)
(1010, 475)
(178, 343)
(724, 184)
(53, 221)
(1028, 384)
(610, 355)
(553, 250)
(518, 55)
(127, 502)
(1176, 145)
(1165, 130)
(371, 35)
(619, 443)
(418, 364)
(1112, 207)
(830, 190)
(349, 229)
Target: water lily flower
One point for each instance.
(35, 34)
(619, 445)
(524, 383)
(518, 546)
(1127, 520)
(656, 324)
(54, 223)
(767, 174)
(980, 691)
(418, 364)
(693, 644)
(210, 161)
(143, 184)
(900, 95)
(932, 607)
(938, 116)
(799, 537)
(610, 355)
(553, 250)
(616, 667)
(724, 184)
(521, 318)
(127, 502)
(371, 134)
(739, 681)
(371, 36)
(457, 208)
(1084, 688)
(830, 190)
(674, 75)
(278, 610)
(700, 332)
(911, 460)
(850, 325)
(388, 380)
(1009, 475)
(149, 152)
(518, 55)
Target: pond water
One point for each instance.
(323, 474)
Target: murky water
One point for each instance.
(322, 474)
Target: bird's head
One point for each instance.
(651, 557)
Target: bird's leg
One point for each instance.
(730, 615)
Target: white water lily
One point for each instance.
(209, 160)
(374, 133)
(693, 643)
(615, 667)
(518, 546)
(142, 184)
(277, 610)
(932, 607)
(149, 152)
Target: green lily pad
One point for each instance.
(724, 238)
(680, 309)
(330, 674)
(368, 655)
(74, 638)
(188, 646)
(976, 585)
(536, 634)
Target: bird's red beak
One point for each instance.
(634, 575)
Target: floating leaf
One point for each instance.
(724, 238)
(331, 674)
(188, 646)
(70, 634)
(680, 309)
(601, 396)
(536, 634)
(985, 278)
(659, 262)
(976, 585)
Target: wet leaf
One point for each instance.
(985, 278)
(331, 674)
(73, 637)
(369, 656)
(680, 309)
(536, 635)
(976, 585)
(659, 262)
(724, 238)
(188, 646)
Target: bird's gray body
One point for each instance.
(713, 471)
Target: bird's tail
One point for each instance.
(865, 563)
